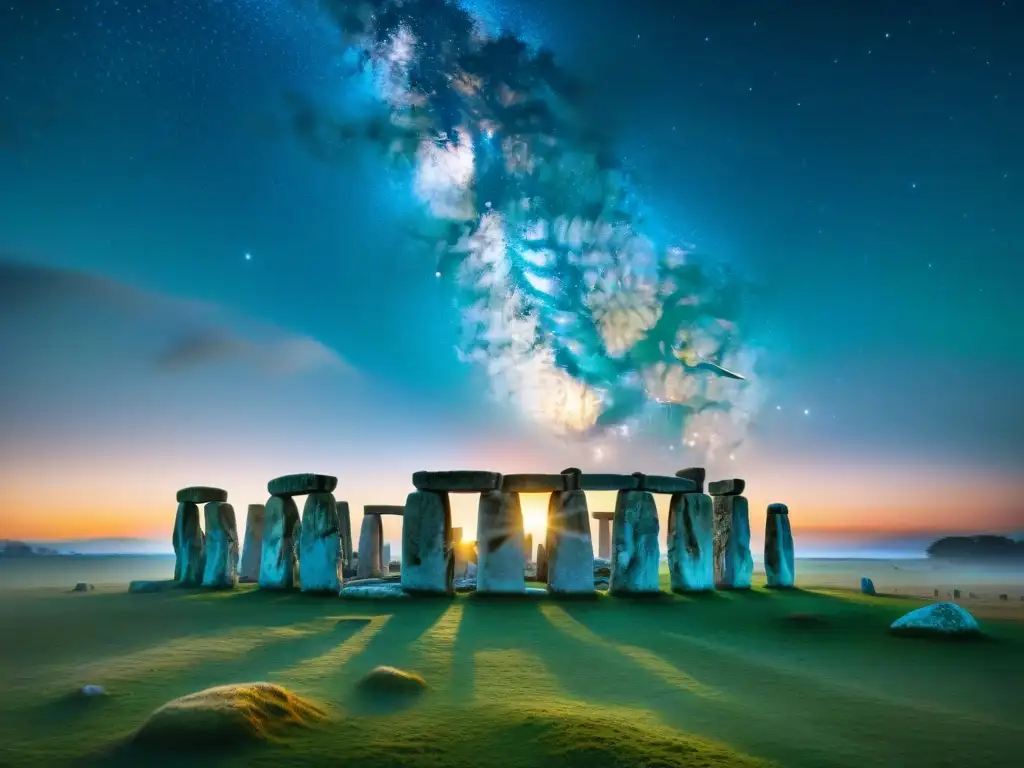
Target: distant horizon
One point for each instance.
(810, 544)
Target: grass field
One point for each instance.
(809, 678)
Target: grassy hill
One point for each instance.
(797, 679)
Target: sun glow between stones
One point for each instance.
(535, 513)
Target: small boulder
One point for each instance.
(937, 620)
(226, 716)
(83, 586)
(91, 690)
(867, 586)
(373, 591)
(152, 586)
(392, 680)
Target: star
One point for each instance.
(807, 411)
(248, 256)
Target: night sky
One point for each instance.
(193, 292)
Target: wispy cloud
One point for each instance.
(280, 356)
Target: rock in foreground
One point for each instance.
(392, 680)
(947, 620)
(226, 716)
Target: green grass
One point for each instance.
(793, 679)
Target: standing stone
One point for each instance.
(635, 550)
(570, 559)
(459, 553)
(691, 542)
(604, 534)
(528, 547)
(371, 545)
(281, 528)
(345, 529)
(321, 556)
(542, 564)
(252, 549)
(387, 558)
(221, 569)
(428, 559)
(779, 561)
(501, 562)
(734, 566)
(189, 545)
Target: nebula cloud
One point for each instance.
(578, 318)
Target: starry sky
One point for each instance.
(190, 294)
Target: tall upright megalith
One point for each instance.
(501, 561)
(427, 544)
(252, 546)
(321, 545)
(691, 536)
(221, 568)
(779, 558)
(282, 528)
(734, 566)
(570, 555)
(604, 534)
(189, 541)
(345, 528)
(372, 560)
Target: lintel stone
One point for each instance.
(598, 482)
(697, 474)
(732, 487)
(603, 515)
(457, 481)
(383, 509)
(665, 483)
(301, 485)
(201, 494)
(534, 483)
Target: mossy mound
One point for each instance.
(226, 716)
(391, 680)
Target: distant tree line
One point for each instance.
(976, 548)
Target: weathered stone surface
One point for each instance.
(281, 531)
(779, 559)
(152, 586)
(697, 474)
(321, 557)
(345, 529)
(734, 566)
(252, 546)
(189, 545)
(373, 591)
(733, 487)
(937, 619)
(533, 483)
(571, 551)
(428, 556)
(691, 542)
(501, 561)
(867, 586)
(572, 478)
(457, 481)
(598, 482)
(542, 570)
(221, 569)
(664, 483)
(371, 548)
(604, 534)
(635, 549)
(201, 494)
(383, 509)
(302, 484)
